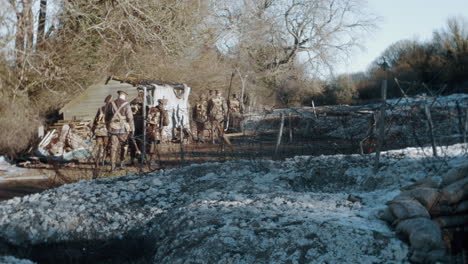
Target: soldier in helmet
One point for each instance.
(136, 141)
(157, 119)
(99, 130)
(200, 116)
(217, 109)
(234, 112)
(119, 119)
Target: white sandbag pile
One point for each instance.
(423, 210)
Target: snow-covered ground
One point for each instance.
(249, 211)
(9, 172)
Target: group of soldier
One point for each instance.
(214, 114)
(119, 124)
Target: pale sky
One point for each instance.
(403, 19)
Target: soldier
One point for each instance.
(119, 119)
(217, 108)
(211, 94)
(234, 112)
(157, 119)
(136, 142)
(199, 115)
(99, 130)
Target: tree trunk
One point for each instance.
(29, 24)
(41, 23)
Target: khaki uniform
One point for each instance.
(99, 129)
(217, 108)
(157, 119)
(234, 113)
(119, 120)
(200, 116)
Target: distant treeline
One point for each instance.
(439, 66)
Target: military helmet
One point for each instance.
(108, 98)
(121, 92)
(163, 101)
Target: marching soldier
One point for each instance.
(234, 111)
(119, 119)
(217, 108)
(157, 119)
(200, 116)
(99, 130)
(136, 140)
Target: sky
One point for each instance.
(403, 19)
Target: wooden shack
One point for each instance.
(85, 106)
(81, 110)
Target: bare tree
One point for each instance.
(284, 29)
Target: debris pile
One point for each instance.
(428, 214)
(68, 144)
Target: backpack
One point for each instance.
(100, 129)
(119, 122)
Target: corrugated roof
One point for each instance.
(86, 105)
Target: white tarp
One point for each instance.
(177, 106)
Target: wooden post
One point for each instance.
(313, 107)
(181, 135)
(280, 134)
(381, 126)
(290, 128)
(143, 151)
(460, 119)
(431, 128)
(466, 126)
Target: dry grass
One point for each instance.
(18, 127)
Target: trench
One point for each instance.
(125, 251)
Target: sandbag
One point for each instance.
(445, 209)
(442, 208)
(424, 183)
(455, 175)
(455, 192)
(426, 196)
(452, 220)
(406, 207)
(386, 215)
(462, 207)
(433, 256)
(422, 233)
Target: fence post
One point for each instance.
(313, 107)
(181, 135)
(431, 128)
(143, 151)
(290, 128)
(280, 134)
(466, 125)
(381, 124)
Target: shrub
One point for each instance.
(18, 126)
